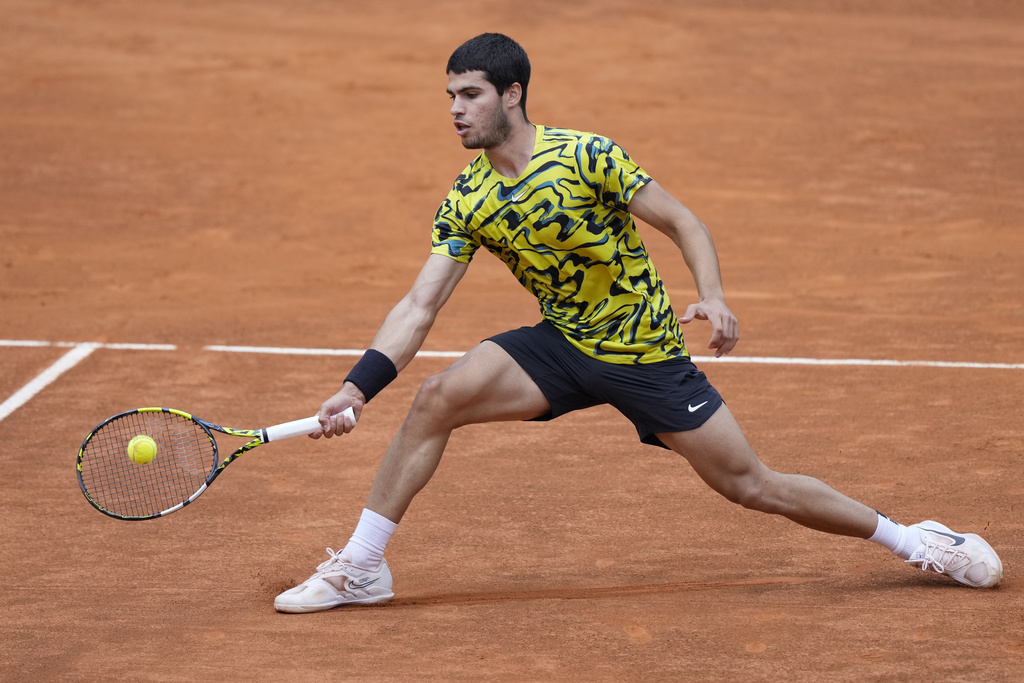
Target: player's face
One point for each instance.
(478, 110)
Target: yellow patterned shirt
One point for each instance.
(564, 231)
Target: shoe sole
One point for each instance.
(305, 609)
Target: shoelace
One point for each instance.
(331, 566)
(943, 556)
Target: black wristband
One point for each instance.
(372, 373)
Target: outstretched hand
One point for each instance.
(725, 329)
(332, 421)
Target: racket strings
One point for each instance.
(184, 460)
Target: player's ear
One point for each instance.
(513, 95)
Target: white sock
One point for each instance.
(901, 540)
(366, 547)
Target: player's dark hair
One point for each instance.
(502, 60)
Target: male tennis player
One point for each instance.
(557, 207)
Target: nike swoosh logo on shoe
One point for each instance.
(957, 540)
(695, 408)
(363, 582)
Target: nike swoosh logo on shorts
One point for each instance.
(697, 407)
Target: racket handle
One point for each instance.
(301, 427)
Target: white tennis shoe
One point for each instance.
(337, 582)
(966, 558)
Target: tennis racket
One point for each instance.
(180, 459)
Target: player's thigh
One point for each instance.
(485, 385)
(720, 454)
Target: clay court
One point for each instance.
(189, 178)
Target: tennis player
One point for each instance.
(557, 207)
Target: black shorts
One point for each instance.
(668, 396)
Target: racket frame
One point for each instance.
(257, 437)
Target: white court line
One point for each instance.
(96, 345)
(80, 350)
(20, 342)
(63, 364)
(768, 360)
(141, 347)
(763, 360)
(321, 352)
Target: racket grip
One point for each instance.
(301, 427)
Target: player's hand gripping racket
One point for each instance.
(150, 462)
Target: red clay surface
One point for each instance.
(265, 174)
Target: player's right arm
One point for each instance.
(656, 207)
(406, 326)
(401, 334)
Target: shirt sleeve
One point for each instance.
(452, 236)
(610, 172)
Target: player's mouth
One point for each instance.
(461, 128)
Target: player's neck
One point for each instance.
(511, 157)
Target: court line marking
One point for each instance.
(768, 360)
(81, 350)
(78, 352)
(292, 351)
(97, 345)
(764, 360)
(69, 360)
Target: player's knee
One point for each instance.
(746, 495)
(756, 493)
(438, 397)
(431, 394)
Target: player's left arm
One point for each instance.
(659, 209)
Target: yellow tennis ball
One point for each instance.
(142, 449)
